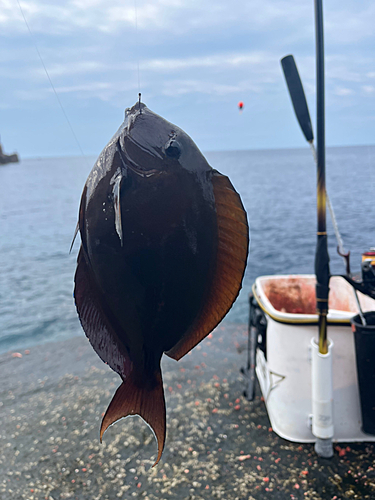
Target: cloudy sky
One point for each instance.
(197, 59)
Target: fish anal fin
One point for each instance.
(233, 245)
(95, 320)
(147, 402)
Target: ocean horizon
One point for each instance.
(94, 156)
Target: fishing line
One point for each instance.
(330, 208)
(50, 81)
(339, 240)
(137, 46)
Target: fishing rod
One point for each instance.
(303, 116)
(301, 110)
(322, 386)
(321, 256)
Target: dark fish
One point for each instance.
(163, 253)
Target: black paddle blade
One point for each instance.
(297, 95)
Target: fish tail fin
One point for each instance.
(148, 403)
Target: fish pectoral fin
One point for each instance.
(80, 223)
(148, 403)
(74, 237)
(117, 205)
(232, 251)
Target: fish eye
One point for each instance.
(173, 149)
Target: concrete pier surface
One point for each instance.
(218, 445)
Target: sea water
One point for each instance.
(39, 200)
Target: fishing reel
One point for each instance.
(365, 282)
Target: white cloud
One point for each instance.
(103, 91)
(74, 68)
(175, 17)
(218, 60)
(198, 51)
(181, 87)
(368, 89)
(342, 91)
(345, 22)
(349, 22)
(91, 87)
(343, 68)
(31, 95)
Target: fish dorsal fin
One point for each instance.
(233, 245)
(147, 402)
(95, 322)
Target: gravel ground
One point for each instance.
(218, 444)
